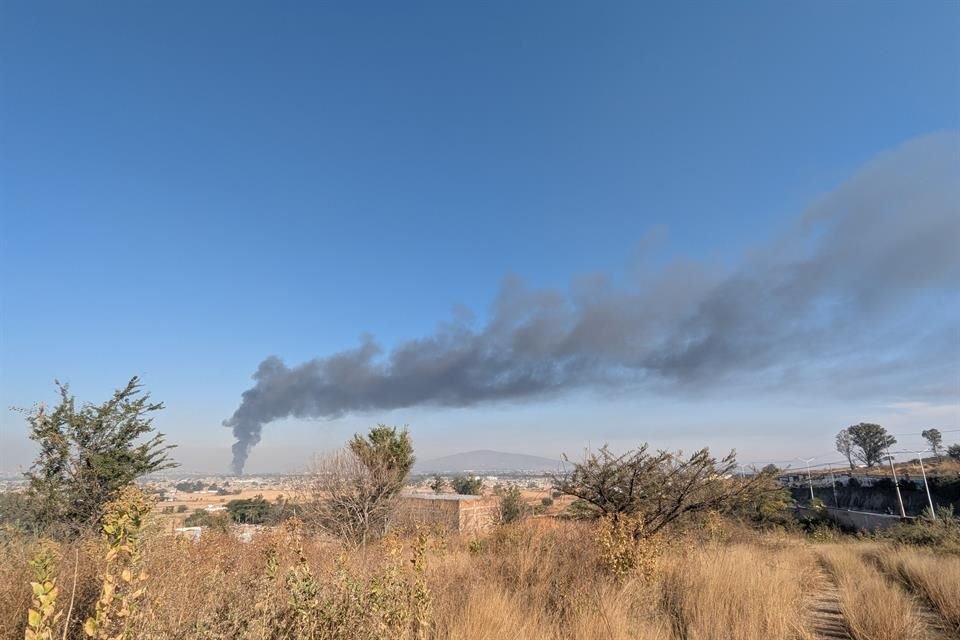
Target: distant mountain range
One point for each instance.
(485, 461)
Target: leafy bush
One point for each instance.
(254, 510)
(467, 486)
(512, 506)
(216, 521)
(943, 534)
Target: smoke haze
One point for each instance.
(819, 304)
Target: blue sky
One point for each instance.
(187, 190)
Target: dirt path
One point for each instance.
(826, 618)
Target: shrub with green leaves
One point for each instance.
(43, 616)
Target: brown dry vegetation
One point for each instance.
(933, 577)
(874, 608)
(540, 579)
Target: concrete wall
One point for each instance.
(462, 514)
(859, 520)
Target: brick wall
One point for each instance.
(478, 515)
(463, 514)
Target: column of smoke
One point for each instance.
(849, 268)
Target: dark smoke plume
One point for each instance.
(823, 299)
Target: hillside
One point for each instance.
(485, 461)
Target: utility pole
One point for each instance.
(933, 513)
(833, 483)
(809, 476)
(896, 485)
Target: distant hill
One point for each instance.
(486, 462)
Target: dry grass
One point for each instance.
(540, 580)
(874, 608)
(739, 592)
(935, 578)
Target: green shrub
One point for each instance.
(942, 534)
(467, 486)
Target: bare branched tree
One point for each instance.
(351, 493)
(661, 486)
(342, 496)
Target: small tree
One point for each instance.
(870, 441)
(935, 439)
(438, 483)
(385, 447)
(88, 453)
(351, 493)
(954, 451)
(467, 485)
(512, 506)
(661, 487)
(845, 446)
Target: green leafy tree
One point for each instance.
(869, 441)
(845, 446)
(467, 485)
(15, 510)
(954, 451)
(202, 518)
(934, 438)
(770, 503)
(255, 510)
(385, 448)
(512, 506)
(88, 453)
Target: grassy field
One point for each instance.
(540, 579)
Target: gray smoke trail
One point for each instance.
(852, 267)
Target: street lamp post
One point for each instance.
(833, 483)
(896, 485)
(809, 476)
(926, 486)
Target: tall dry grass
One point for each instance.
(739, 592)
(538, 580)
(935, 578)
(874, 608)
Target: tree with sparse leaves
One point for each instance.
(662, 487)
(845, 446)
(934, 438)
(351, 493)
(88, 453)
(954, 451)
(869, 442)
